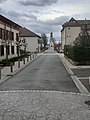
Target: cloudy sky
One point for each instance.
(44, 16)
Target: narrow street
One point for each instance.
(45, 73)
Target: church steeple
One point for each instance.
(51, 35)
(51, 39)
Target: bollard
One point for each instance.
(33, 55)
(23, 60)
(0, 72)
(30, 57)
(27, 59)
(36, 54)
(18, 63)
(11, 67)
(89, 80)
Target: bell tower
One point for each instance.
(51, 35)
(51, 39)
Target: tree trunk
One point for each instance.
(6, 53)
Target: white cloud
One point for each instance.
(2, 1)
(37, 2)
(44, 16)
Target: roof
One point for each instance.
(9, 22)
(84, 21)
(72, 22)
(24, 32)
(76, 23)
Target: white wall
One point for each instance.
(32, 44)
(69, 34)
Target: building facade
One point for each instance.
(31, 38)
(9, 33)
(71, 30)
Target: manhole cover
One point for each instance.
(87, 102)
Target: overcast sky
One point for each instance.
(44, 16)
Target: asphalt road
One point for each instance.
(45, 73)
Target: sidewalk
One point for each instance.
(79, 74)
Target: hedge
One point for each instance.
(14, 59)
(77, 53)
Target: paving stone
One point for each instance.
(39, 105)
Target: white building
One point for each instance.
(31, 38)
(9, 32)
(71, 29)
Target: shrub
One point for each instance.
(77, 53)
(14, 59)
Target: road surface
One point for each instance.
(45, 73)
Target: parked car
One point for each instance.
(60, 51)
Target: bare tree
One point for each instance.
(18, 43)
(24, 44)
(21, 42)
(44, 39)
(6, 40)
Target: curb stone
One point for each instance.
(77, 82)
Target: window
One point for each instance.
(17, 49)
(11, 35)
(6, 34)
(12, 49)
(2, 50)
(39, 41)
(3, 34)
(0, 33)
(17, 36)
(8, 49)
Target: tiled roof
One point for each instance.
(76, 23)
(71, 22)
(9, 22)
(84, 21)
(24, 32)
